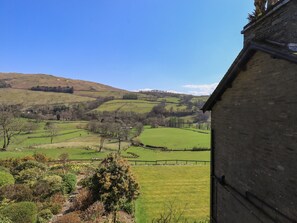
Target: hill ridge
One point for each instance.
(27, 81)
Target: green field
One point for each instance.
(150, 155)
(139, 106)
(186, 187)
(174, 138)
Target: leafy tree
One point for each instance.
(52, 130)
(114, 185)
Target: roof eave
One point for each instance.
(237, 66)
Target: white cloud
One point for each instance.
(201, 89)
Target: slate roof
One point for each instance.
(276, 50)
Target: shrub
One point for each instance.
(29, 176)
(4, 219)
(29, 165)
(57, 199)
(44, 216)
(56, 203)
(6, 178)
(23, 212)
(128, 207)
(4, 169)
(71, 217)
(55, 208)
(48, 186)
(69, 183)
(16, 192)
(83, 199)
(93, 212)
(39, 157)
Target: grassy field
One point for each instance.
(175, 107)
(174, 138)
(150, 155)
(139, 106)
(30, 98)
(186, 187)
(74, 141)
(96, 94)
(67, 131)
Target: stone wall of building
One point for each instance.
(255, 144)
(279, 25)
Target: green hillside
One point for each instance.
(138, 106)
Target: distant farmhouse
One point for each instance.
(254, 124)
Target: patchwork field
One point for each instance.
(184, 187)
(174, 138)
(139, 106)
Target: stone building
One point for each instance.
(254, 125)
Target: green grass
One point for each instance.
(138, 106)
(174, 138)
(169, 99)
(150, 155)
(96, 94)
(175, 107)
(186, 187)
(67, 131)
(74, 153)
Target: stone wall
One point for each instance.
(255, 144)
(280, 24)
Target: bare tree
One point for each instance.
(10, 124)
(52, 130)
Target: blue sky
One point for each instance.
(178, 45)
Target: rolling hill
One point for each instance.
(19, 85)
(15, 88)
(27, 81)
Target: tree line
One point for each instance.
(58, 89)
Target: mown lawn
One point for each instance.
(185, 187)
(174, 138)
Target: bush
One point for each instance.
(29, 176)
(55, 208)
(16, 192)
(23, 212)
(93, 212)
(56, 203)
(71, 217)
(4, 219)
(128, 207)
(83, 199)
(4, 169)
(6, 178)
(44, 216)
(69, 183)
(48, 186)
(29, 165)
(39, 157)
